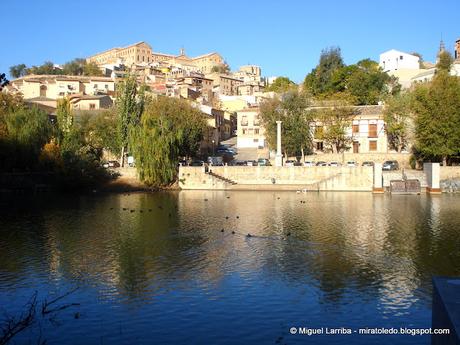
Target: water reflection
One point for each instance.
(323, 258)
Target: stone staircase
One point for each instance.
(221, 178)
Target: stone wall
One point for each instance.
(261, 177)
(450, 179)
(450, 173)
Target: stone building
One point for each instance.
(56, 86)
(142, 53)
(250, 132)
(135, 53)
(366, 130)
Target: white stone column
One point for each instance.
(378, 179)
(432, 173)
(279, 154)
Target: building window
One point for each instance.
(355, 129)
(401, 57)
(244, 120)
(373, 145)
(245, 131)
(95, 86)
(92, 106)
(256, 130)
(319, 146)
(372, 131)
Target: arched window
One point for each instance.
(43, 89)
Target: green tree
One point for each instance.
(168, 128)
(3, 81)
(74, 67)
(64, 118)
(281, 85)
(102, 131)
(319, 80)
(291, 108)
(79, 66)
(420, 61)
(437, 124)
(46, 68)
(8, 103)
(221, 68)
(361, 84)
(335, 121)
(18, 71)
(91, 69)
(368, 83)
(129, 105)
(28, 130)
(398, 120)
(445, 61)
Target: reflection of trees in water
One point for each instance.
(23, 245)
(340, 244)
(372, 245)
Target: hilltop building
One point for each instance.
(142, 53)
(394, 60)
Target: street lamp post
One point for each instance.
(279, 155)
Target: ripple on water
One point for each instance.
(169, 274)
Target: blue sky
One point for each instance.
(283, 37)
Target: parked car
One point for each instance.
(334, 164)
(308, 163)
(196, 163)
(113, 164)
(251, 163)
(263, 162)
(240, 163)
(321, 164)
(390, 165)
(352, 164)
(289, 163)
(297, 164)
(368, 164)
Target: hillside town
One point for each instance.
(231, 102)
(228, 99)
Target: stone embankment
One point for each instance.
(280, 178)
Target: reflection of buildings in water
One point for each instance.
(435, 214)
(397, 287)
(339, 240)
(205, 213)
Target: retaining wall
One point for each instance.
(449, 173)
(262, 177)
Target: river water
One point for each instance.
(157, 268)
